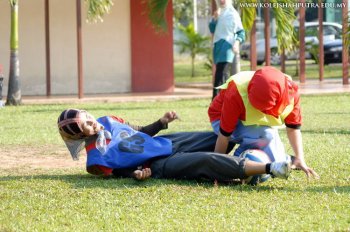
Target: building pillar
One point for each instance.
(152, 61)
(302, 42)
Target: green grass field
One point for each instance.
(69, 199)
(183, 70)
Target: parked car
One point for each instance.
(333, 51)
(331, 31)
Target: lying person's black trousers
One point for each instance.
(193, 158)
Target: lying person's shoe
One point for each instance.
(281, 169)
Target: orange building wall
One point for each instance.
(152, 66)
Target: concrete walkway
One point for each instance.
(326, 86)
(182, 91)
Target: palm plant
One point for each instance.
(97, 8)
(156, 14)
(284, 19)
(194, 43)
(14, 96)
(286, 38)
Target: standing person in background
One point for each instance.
(227, 30)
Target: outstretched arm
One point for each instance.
(169, 117)
(153, 128)
(295, 140)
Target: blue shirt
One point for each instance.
(127, 148)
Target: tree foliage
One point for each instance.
(284, 21)
(183, 11)
(286, 37)
(97, 9)
(13, 2)
(248, 14)
(156, 10)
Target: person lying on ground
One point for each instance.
(115, 147)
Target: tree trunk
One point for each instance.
(345, 54)
(14, 96)
(267, 35)
(14, 91)
(253, 55)
(283, 61)
(192, 61)
(302, 43)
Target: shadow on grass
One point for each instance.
(89, 181)
(332, 113)
(88, 108)
(341, 132)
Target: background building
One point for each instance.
(122, 54)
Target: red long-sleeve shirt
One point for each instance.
(228, 107)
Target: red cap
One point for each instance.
(270, 91)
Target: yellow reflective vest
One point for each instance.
(254, 116)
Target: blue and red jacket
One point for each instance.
(127, 148)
